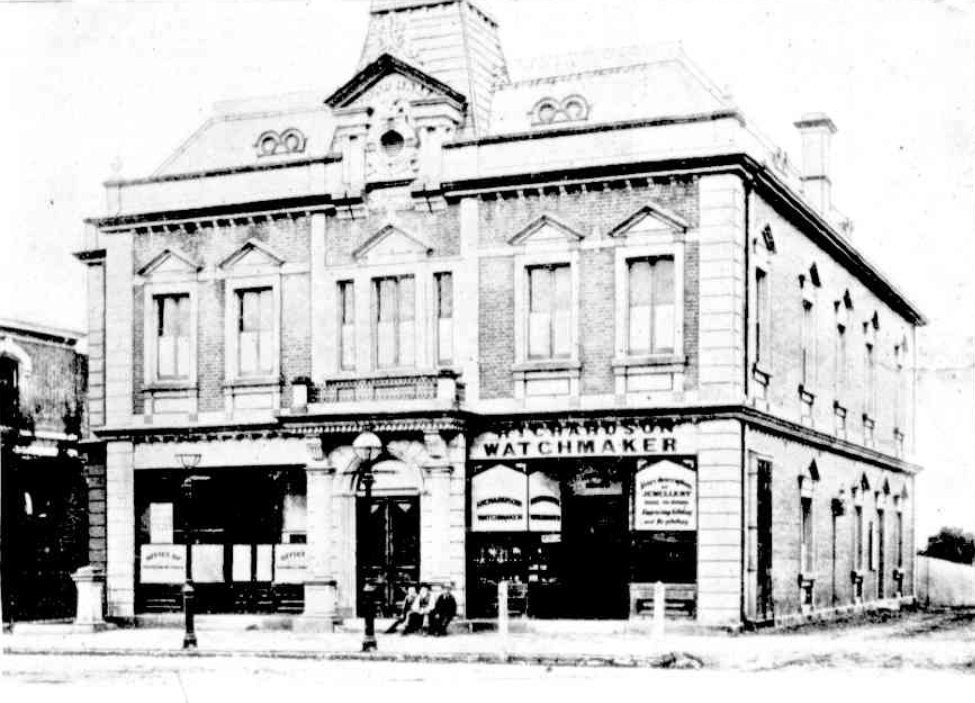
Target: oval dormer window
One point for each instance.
(392, 143)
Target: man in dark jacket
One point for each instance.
(444, 610)
(404, 610)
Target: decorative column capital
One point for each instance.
(439, 469)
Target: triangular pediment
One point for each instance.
(169, 261)
(651, 219)
(392, 242)
(253, 254)
(545, 229)
(386, 74)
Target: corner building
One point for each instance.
(607, 334)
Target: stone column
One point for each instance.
(321, 596)
(436, 564)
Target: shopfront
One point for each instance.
(247, 530)
(582, 517)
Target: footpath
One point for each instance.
(885, 646)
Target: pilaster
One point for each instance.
(321, 593)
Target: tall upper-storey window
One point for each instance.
(445, 317)
(9, 388)
(549, 312)
(172, 336)
(347, 324)
(255, 331)
(395, 321)
(763, 319)
(652, 306)
(809, 340)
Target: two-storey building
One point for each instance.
(607, 334)
(44, 534)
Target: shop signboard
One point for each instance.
(665, 496)
(506, 499)
(162, 563)
(498, 497)
(289, 563)
(586, 438)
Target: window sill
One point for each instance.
(806, 395)
(547, 365)
(163, 386)
(665, 362)
(868, 421)
(856, 576)
(839, 409)
(248, 382)
(807, 579)
(761, 375)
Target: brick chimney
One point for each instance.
(817, 129)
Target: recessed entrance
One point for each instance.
(388, 548)
(595, 555)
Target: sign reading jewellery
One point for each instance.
(665, 496)
(582, 438)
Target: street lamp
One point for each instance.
(188, 462)
(367, 447)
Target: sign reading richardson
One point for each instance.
(506, 499)
(665, 496)
(162, 563)
(582, 438)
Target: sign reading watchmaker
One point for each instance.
(584, 438)
(665, 496)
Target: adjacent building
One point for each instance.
(45, 534)
(606, 333)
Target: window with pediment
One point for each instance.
(170, 320)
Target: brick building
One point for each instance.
(607, 334)
(45, 534)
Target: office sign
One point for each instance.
(162, 563)
(290, 563)
(665, 496)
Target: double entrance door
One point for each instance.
(388, 549)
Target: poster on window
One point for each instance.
(161, 523)
(208, 563)
(162, 563)
(498, 499)
(665, 496)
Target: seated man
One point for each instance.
(404, 610)
(419, 610)
(444, 610)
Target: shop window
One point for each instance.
(347, 358)
(172, 336)
(255, 332)
(549, 312)
(652, 306)
(445, 317)
(395, 321)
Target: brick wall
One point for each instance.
(794, 256)
(53, 396)
(836, 473)
(597, 302)
(496, 332)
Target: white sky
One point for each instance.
(92, 90)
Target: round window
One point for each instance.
(546, 113)
(575, 109)
(268, 145)
(392, 143)
(292, 142)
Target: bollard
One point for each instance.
(659, 608)
(503, 618)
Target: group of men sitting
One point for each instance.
(425, 611)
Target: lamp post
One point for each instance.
(367, 447)
(188, 462)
